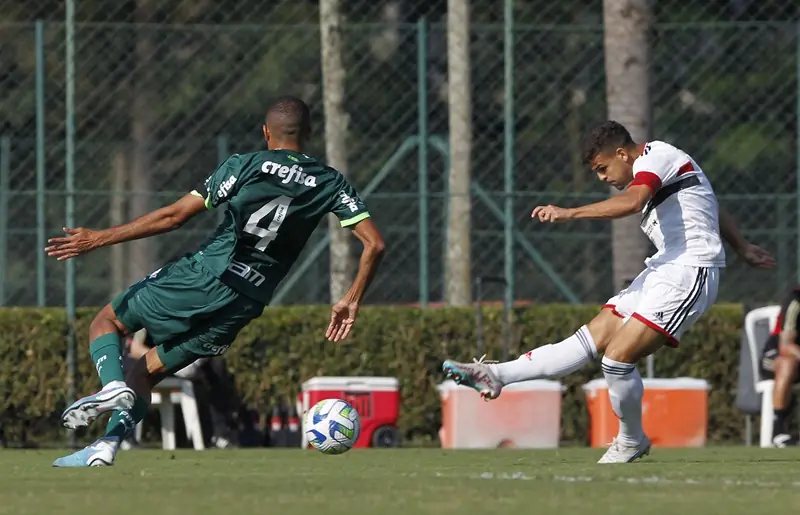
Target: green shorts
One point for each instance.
(187, 312)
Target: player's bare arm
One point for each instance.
(81, 240)
(754, 255)
(343, 313)
(627, 203)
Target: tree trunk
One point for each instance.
(333, 73)
(627, 54)
(116, 216)
(140, 252)
(458, 258)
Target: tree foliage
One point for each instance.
(723, 87)
(277, 352)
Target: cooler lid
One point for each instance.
(675, 383)
(354, 383)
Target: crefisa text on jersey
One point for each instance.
(286, 173)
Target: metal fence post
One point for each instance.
(797, 145)
(5, 172)
(41, 236)
(70, 201)
(508, 181)
(478, 294)
(422, 156)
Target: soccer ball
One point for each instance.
(332, 426)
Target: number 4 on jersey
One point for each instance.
(281, 206)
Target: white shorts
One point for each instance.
(668, 298)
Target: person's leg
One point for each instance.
(223, 403)
(554, 360)
(218, 314)
(673, 298)
(105, 333)
(548, 361)
(190, 314)
(562, 358)
(633, 342)
(145, 374)
(786, 374)
(211, 337)
(127, 312)
(160, 301)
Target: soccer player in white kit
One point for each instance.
(680, 281)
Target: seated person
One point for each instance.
(781, 361)
(214, 389)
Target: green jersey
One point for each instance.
(275, 199)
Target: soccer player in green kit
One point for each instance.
(195, 306)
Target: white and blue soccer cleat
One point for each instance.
(476, 375)
(620, 453)
(100, 454)
(113, 396)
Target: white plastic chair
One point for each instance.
(165, 395)
(764, 387)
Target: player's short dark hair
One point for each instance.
(605, 137)
(289, 117)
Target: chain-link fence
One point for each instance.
(165, 89)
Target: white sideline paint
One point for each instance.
(652, 480)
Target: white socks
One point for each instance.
(108, 442)
(115, 384)
(554, 360)
(625, 388)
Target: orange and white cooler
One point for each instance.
(674, 412)
(527, 415)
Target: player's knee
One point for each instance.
(620, 353)
(785, 368)
(98, 321)
(603, 327)
(787, 354)
(105, 322)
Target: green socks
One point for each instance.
(123, 422)
(106, 354)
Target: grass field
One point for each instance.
(388, 482)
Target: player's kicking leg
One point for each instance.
(624, 344)
(661, 304)
(219, 314)
(116, 394)
(106, 351)
(142, 377)
(554, 360)
(672, 298)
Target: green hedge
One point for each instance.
(286, 346)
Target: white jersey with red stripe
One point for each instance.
(682, 216)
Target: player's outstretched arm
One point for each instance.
(81, 240)
(627, 203)
(343, 313)
(754, 255)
